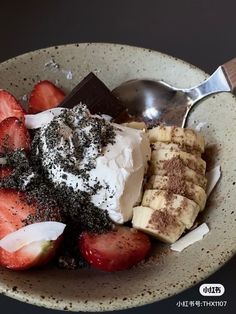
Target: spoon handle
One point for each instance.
(229, 69)
(222, 80)
(217, 82)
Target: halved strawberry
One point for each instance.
(34, 254)
(116, 250)
(10, 107)
(45, 95)
(13, 135)
(5, 172)
(13, 211)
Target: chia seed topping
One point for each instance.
(70, 145)
(83, 138)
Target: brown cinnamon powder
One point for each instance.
(161, 220)
(211, 155)
(177, 185)
(195, 166)
(174, 166)
(169, 196)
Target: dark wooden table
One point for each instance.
(198, 31)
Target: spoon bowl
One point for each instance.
(158, 102)
(153, 101)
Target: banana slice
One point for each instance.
(183, 209)
(136, 125)
(176, 168)
(195, 163)
(178, 185)
(161, 225)
(174, 147)
(182, 136)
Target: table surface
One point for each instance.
(197, 31)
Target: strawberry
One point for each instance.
(32, 255)
(116, 250)
(13, 211)
(5, 172)
(45, 95)
(9, 106)
(13, 135)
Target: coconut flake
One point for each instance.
(199, 126)
(41, 231)
(24, 100)
(106, 117)
(68, 74)
(35, 121)
(190, 238)
(3, 161)
(213, 177)
(52, 66)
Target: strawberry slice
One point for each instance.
(116, 250)
(45, 95)
(10, 107)
(13, 211)
(13, 135)
(34, 254)
(5, 172)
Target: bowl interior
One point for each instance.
(167, 272)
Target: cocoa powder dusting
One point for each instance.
(211, 156)
(177, 185)
(176, 147)
(174, 166)
(176, 211)
(169, 196)
(172, 133)
(155, 195)
(161, 220)
(195, 167)
(184, 204)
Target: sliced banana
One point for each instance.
(183, 172)
(175, 191)
(195, 163)
(183, 209)
(182, 136)
(174, 147)
(179, 185)
(159, 224)
(136, 125)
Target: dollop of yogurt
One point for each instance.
(107, 161)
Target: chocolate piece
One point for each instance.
(92, 92)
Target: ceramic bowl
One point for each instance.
(167, 272)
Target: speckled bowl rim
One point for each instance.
(227, 256)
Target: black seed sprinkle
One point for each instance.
(60, 202)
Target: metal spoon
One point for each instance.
(158, 102)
